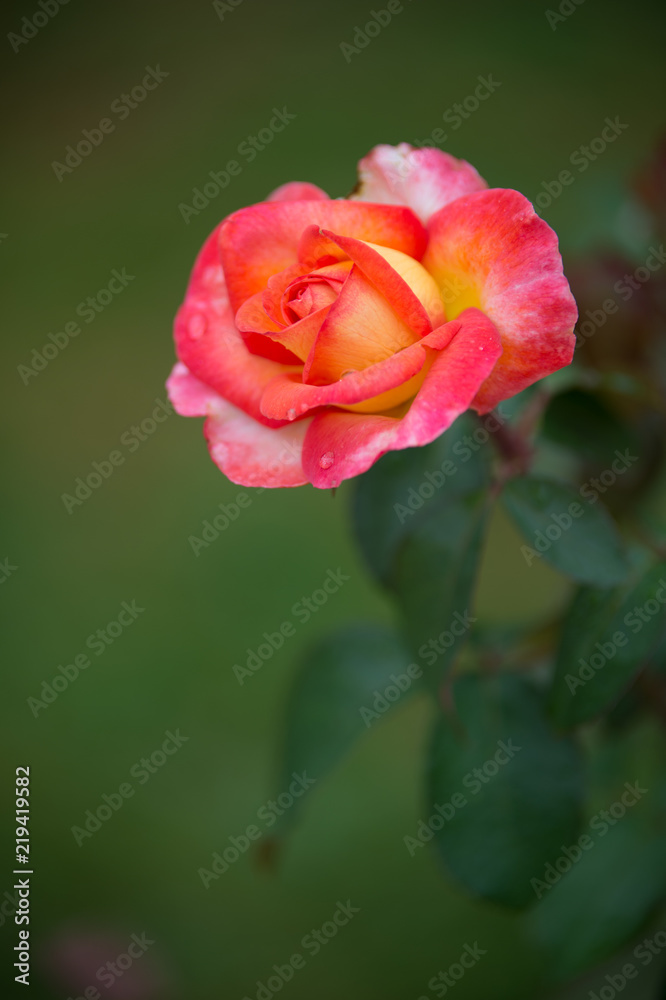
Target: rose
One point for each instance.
(318, 334)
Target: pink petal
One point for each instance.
(298, 191)
(190, 396)
(404, 303)
(342, 445)
(273, 293)
(247, 452)
(208, 342)
(490, 249)
(424, 179)
(316, 250)
(253, 318)
(287, 397)
(262, 240)
(360, 330)
(300, 337)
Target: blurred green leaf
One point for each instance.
(573, 376)
(332, 701)
(584, 423)
(606, 638)
(658, 658)
(635, 387)
(434, 577)
(522, 785)
(577, 537)
(401, 489)
(604, 899)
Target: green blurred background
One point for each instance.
(173, 668)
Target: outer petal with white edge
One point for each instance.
(423, 179)
(247, 452)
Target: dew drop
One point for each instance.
(326, 461)
(291, 413)
(197, 326)
(212, 276)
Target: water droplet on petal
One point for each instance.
(197, 326)
(326, 461)
(211, 276)
(291, 413)
(480, 348)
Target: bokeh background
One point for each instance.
(173, 668)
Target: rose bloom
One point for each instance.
(318, 334)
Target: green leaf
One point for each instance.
(597, 906)
(604, 432)
(519, 806)
(333, 700)
(404, 486)
(606, 639)
(638, 387)
(433, 578)
(575, 535)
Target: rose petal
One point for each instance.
(258, 312)
(298, 191)
(324, 284)
(316, 250)
(208, 342)
(408, 288)
(490, 249)
(287, 397)
(253, 318)
(424, 179)
(190, 396)
(254, 323)
(360, 330)
(273, 293)
(300, 337)
(342, 445)
(247, 452)
(262, 240)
